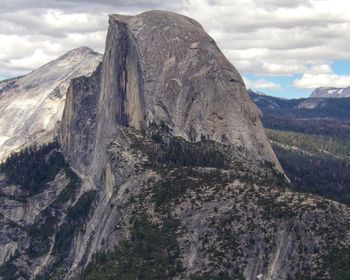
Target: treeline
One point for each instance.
(327, 127)
(33, 167)
(180, 153)
(162, 148)
(311, 142)
(318, 174)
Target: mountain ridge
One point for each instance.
(32, 105)
(330, 92)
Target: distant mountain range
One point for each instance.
(330, 92)
(310, 137)
(312, 107)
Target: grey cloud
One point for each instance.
(32, 22)
(283, 3)
(268, 37)
(89, 5)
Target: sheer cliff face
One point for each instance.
(164, 68)
(32, 106)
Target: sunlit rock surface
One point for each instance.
(31, 106)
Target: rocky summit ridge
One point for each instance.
(330, 92)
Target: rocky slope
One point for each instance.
(176, 210)
(31, 106)
(330, 92)
(168, 175)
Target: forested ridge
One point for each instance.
(310, 137)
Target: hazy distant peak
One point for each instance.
(80, 50)
(330, 92)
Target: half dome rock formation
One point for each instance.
(31, 106)
(161, 67)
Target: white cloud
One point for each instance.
(321, 76)
(37, 59)
(320, 69)
(58, 20)
(311, 81)
(261, 84)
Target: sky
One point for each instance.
(284, 48)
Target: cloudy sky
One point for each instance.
(281, 47)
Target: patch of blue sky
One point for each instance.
(341, 67)
(286, 90)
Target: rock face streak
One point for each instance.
(160, 67)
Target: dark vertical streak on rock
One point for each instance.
(129, 78)
(122, 117)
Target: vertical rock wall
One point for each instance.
(160, 67)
